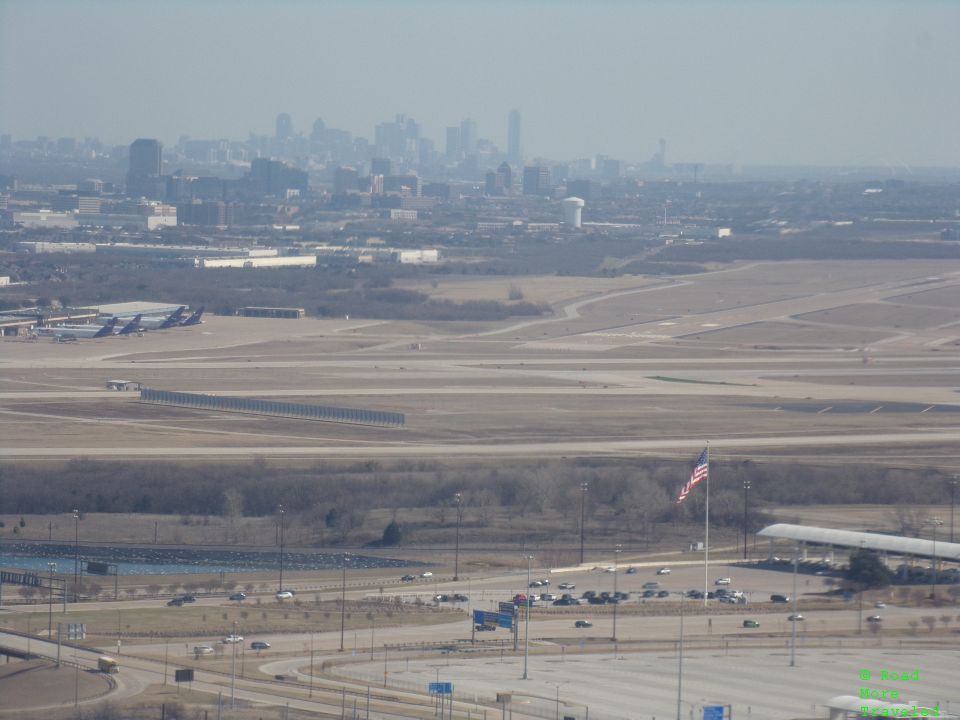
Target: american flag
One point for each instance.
(701, 470)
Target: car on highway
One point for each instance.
(589, 593)
(722, 581)
(631, 571)
(874, 619)
(663, 594)
(562, 602)
(663, 571)
(751, 624)
(519, 599)
(238, 596)
(779, 598)
(188, 598)
(484, 628)
(459, 597)
(199, 650)
(583, 624)
(259, 645)
(547, 597)
(536, 583)
(408, 578)
(231, 639)
(284, 594)
(879, 604)
(652, 585)
(796, 617)
(426, 573)
(567, 586)
(176, 602)
(441, 598)
(649, 593)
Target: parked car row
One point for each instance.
(450, 598)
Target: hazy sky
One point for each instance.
(776, 82)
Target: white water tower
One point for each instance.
(572, 208)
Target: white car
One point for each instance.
(663, 571)
(199, 650)
(426, 574)
(229, 639)
(284, 595)
(879, 604)
(567, 586)
(722, 581)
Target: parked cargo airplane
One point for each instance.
(77, 331)
(158, 322)
(131, 327)
(193, 319)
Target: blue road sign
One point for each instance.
(440, 688)
(507, 607)
(713, 712)
(504, 620)
(478, 617)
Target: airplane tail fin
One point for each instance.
(107, 329)
(131, 327)
(194, 319)
(176, 318)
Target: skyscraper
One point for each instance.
(468, 136)
(514, 154)
(146, 158)
(284, 126)
(536, 180)
(145, 169)
(453, 143)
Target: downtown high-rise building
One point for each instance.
(284, 127)
(468, 137)
(514, 152)
(145, 169)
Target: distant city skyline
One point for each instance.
(748, 82)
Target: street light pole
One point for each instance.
(953, 498)
(343, 597)
(583, 503)
(616, 553)
(933, 586)
(526, 622)
(233, 669)
(746, 490)
(680, 662)
(76, 555)
(281, 548)
(52, 566)
(793, 632)
(456, 556)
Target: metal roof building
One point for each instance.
(893, 544)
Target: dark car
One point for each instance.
(631, 571)
(589, 594)
(751, 624)
(649, 593)
(595, 600)
(563, 601)
(238, 596)
(188, 598)
(259, 645)
(176, 602)
(408, 578)
(460, 598)
(583, 624)
(779, 598)
(483, 628)
(663, 593)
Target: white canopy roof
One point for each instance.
(896, 544)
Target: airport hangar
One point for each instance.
(804, 535)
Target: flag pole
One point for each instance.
(706, 534)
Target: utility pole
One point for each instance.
(281, 548)
(746, 490)
(76, 555)
(233, 669)
(343, 597)
(616, 552)
(583, 503)
(52, 567)
(456, 557)
(953, 500)
(526, 622)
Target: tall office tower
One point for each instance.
(145, 169)
(319, 132)
(536, 180)
(468, 137)
(345, 180)
(284, 127)
(381, 166)
(453, 143)
(663, 153)
(505, 177)
(146, 158)
(514, 154)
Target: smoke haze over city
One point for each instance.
(853, 83)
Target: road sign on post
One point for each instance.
(183, 675)
(713, 712)
(440, 688)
